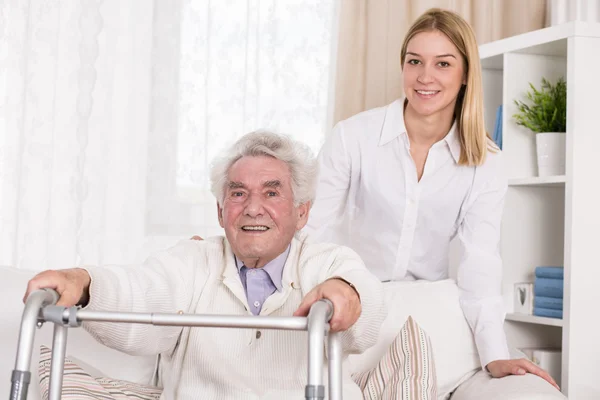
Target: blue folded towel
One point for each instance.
(551, 303)
(550, 272)
(544, 312)
(548, 287)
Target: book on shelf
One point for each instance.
(497, 134)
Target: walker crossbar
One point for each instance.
(40, 308)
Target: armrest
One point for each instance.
(524, 387)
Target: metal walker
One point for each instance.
(40, 307)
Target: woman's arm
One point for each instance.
(332, 187)
(480, 268)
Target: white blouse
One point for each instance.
(369, 198)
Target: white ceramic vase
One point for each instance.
(551, 150)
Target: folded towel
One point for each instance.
(544, 312)
(550, 272)
(551, 303)
(548, 287)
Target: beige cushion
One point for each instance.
(406, 371)
(436, 307)
(78, 384)
(513, 387)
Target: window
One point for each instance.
(247, 65)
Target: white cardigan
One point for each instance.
(225, 363)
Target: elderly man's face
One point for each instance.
(258, 212)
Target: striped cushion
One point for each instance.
(406, 371)
(78, 384)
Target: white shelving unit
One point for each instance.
(552, 220)
(532, 319)
(550, 181)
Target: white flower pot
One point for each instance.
(551, 149)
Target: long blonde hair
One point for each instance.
(474, 140)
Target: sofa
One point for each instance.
(433, 305)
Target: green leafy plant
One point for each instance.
(547, 108)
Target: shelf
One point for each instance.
(532, 319)
(549, 41)
(558, 180)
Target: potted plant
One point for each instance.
(545, 114)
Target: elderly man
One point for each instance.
(264, 188)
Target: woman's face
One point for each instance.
(433, 73)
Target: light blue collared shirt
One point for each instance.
(260, 283)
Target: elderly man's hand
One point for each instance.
(502, 368)
(346, 303)
(72, 285)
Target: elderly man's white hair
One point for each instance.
(298, 157)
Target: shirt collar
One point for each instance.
(393, 126)
(393, 123)
(453, 142)
(273, 268)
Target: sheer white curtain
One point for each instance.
(242, 65)
(111, 111)
(74, 89)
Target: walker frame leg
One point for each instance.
(57, 365)
(21, 375)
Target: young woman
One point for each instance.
(399, 182)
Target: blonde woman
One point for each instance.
(398, 183)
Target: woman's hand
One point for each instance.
(502, 368)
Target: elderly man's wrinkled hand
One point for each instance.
(346, 303)
(72, 285)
